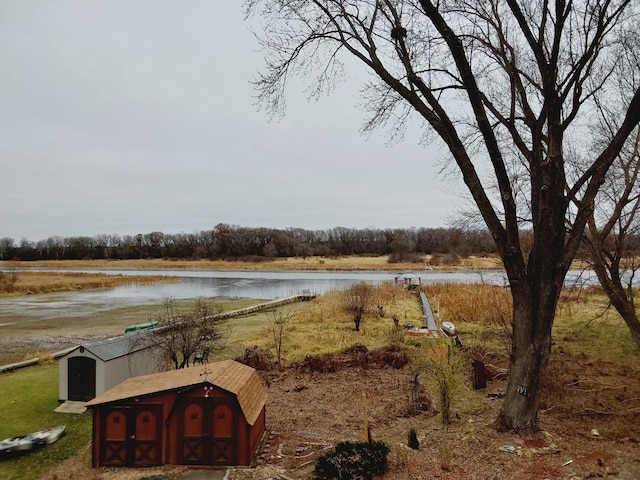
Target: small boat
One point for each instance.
(27, 443)
(449, 328)
(15, 445)
(50, 435)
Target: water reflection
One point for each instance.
(271, 285)
(236, 284)
(207, 284)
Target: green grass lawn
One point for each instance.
(29, 397)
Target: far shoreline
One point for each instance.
(350, 263)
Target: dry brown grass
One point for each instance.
(477, 303)
(25, 283)
(324, 326)
(355, 263)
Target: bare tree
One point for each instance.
(6, 245)
(357, 300)
(612, 227)
(508, 87)
(279, 319)
(183, 334)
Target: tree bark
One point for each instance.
(530, 350)
(628, 314)
(634, 327)
(535, 292)
(616, 293)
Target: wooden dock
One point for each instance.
(427, 313)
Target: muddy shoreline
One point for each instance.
(22, 338)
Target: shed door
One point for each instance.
(208, 432)
(222, 441)
(147, 436)
(132, 436)
(81, 381)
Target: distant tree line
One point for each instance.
(234, 242)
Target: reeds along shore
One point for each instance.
(293, 263)
(15, 280)
(26, 283)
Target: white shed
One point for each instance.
(93, 368)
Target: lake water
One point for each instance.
(266, 285)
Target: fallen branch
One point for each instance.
(591, 411)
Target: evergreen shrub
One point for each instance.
(353, 461)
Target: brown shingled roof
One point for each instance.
(229, 375)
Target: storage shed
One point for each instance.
(93, 368)
(211, 414)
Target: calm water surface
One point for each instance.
(207, 284)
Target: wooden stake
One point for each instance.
(365, 418)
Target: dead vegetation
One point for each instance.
(22, 282)
(329, 263)
(589, 411)
(309, 412)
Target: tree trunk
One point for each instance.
(634, 327)
(520, 408)
(617, 296)
(533, 314)
(631, 319)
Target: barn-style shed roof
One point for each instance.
(234, 377)
(115, 347)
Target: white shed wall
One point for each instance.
(101, 373)
(135, 364)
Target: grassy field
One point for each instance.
(322, 325)
(27, 403)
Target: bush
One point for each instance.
(356, 356)
(403, 257)
(260, 360)
(353, 461)
(325, 363)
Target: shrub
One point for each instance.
(388, 356)
(402, 257)
(260, 360)
(320, 363)
(356, 356)
(352, 461)
(444, 364)
(357, 300)
(396, 334)
(419, 399)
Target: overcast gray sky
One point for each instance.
(120, 116)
